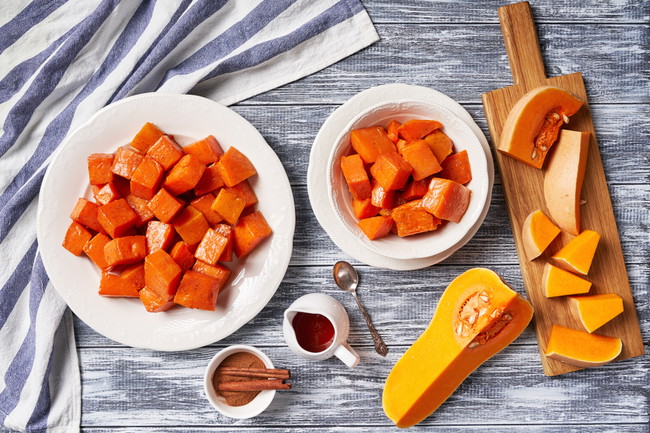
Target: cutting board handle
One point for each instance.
(520, 37)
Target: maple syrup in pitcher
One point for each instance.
(314, 332)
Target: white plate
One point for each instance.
(318, 190)
(426, 244)
(254, 280)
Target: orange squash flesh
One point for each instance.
(558, 282)
(563, 178)
(440, 144)
(534, 123)
(478, 315)
(582, 348)
(537, 233)
(446, 199)
(371, 142)
(577, 255)
(376, 227)
(596, 310)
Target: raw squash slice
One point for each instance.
(534, 123)
(581, 348)
(477, 316)
(577, 255)
(596, 310)
(537, 233)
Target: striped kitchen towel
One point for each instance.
(60, 62)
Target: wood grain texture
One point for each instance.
(523, 187)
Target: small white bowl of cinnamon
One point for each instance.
(241, 381)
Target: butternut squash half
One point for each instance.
(478, 315)
(534, 123)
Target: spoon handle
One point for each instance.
(380, 346)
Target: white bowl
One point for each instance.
(257, 405)
(425, 244)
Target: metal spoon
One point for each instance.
(347, 279)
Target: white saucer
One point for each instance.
(317, 171)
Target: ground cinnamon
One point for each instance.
(240, 360)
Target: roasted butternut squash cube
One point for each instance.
(416, 129)
(245, 191)
(392, 130)
(126, 161)
(76, 237)
(115, 286)
(226, 231)
(105, 194)
(191, 225)
(446, 199)
(162, 274)
(94, 249)
(160, 236)
(125, 251)
(219, 272)
(207, 150)
(85, 213)
(235, 167)
(364, 208)
(135, 275)
(376, 227)
(198, 291)
(183, 255)
(204, 205)
(139, 206)
(421, 158)
(210, 180)
(99, 168)
(381, 198)
(249, 232)
(440, 144)
(165, 206)
(184, 175)
(117, 218)
(371, 142)
(165, 152)
(154, 303)
(146, 178)
(456, 167)
(411, 219)
(211, 247)
(148, 135)
(391, 171)
(229, 205)
(415, 189)
(356, 176)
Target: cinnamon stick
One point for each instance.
(253, 385)
(278, 373)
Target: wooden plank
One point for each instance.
(523, 187)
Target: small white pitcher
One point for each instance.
(318, 303)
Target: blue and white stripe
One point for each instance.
(60, 62)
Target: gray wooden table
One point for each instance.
(454, 47)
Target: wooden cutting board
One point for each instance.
(523, 188)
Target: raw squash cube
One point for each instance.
(577, 255)
(162, 274)
(456, 167)
(245, 191)
(376, 227)
(165, 206)
(159, 235)
(165, 152)
(210, 181)
(211, 247)
(229, 205)
(558, 282)
(76, 237)
(411, 219)
(381, 198)
(117, 218)
(226, 231)
(184, 175)
(249, 232)
(207, 150)
(235, 167)
(220, 273)
(183, 255)
(416, 129)
(125, 162)
(154, 303)
(197, 290)
(85, 213)
(446, 199)
(99, 168)
(440, 144)
(391, 171)
(204, 205)
(115, 286)
(364, 208)
(356, 176)
(146, 137)
(94, 249)
(139, 206)
(371, 142)
(125, 251)
(419, 156)
(106, 193)
(146, 178)
(191, 225)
